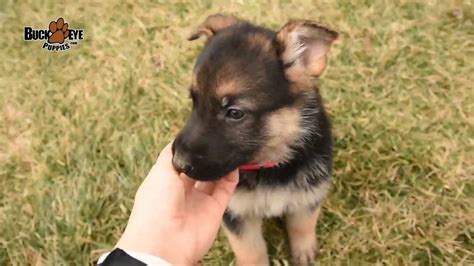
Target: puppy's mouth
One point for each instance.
(205, 174)
(217, 174)
(202, 172)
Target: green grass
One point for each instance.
(80, 129)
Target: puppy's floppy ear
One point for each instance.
(212, 25)
(303, 47)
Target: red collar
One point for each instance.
(257, 166)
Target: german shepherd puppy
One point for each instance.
(255, 102)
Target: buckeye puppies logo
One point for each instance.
(58, 37)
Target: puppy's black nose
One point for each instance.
(187, 168)
(181, 164)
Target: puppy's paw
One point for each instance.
(305, 254)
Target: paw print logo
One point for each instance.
(59, 31)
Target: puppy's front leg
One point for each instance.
(246, 239)
(301, 226)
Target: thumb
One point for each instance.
(163, 177)
(163, 174)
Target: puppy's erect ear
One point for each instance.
(303, 47)
(212, 25)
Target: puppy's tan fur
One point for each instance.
(301, 227)
(249, 247)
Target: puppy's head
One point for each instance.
(246, 84)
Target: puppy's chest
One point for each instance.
(270, 201)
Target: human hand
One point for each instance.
(175, 217)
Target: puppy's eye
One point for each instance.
(234, 114)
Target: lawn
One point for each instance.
(79, 129)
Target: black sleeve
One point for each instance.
(119, 257)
